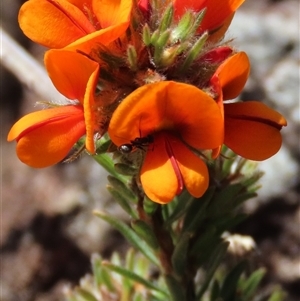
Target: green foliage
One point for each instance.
(176, 242)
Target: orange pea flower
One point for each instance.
(252, 129)
(45, 137)
(173, 115)
(78, 24)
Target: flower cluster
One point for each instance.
(157, 76)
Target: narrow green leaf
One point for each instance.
(175, 289)
(132, 276)
(251, 284)
(149, 206)
(229, 287)
(122, 201)
(145, 232)
(180, 254)
(213, 263)
(183, 203)
(215, 291)
(123, 188)
(125, 169)
(107, 163)
(100, 275)
(130, 235)
(197, 212)
(87, 296)
(277, 295)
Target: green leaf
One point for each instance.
(85, 295)
(229, 287)
(130, 235)
(215, 291)
(107, 163)
(197, 212)
(213, 263)
(146, 233)
(179, 255)
(125, 169)
(175, 289)
(183, 202)
(100, 275)
(251, 284)
(122, 188)
(122, 201)
(277, 295)
(149, 206)
(132, 276)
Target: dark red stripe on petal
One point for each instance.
(175, 167)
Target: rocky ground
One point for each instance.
(47, 229)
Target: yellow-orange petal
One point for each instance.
(70, 72)
(112, 12)
(53, 23)
(157, 175)
(102, 36)
(233, 74)
(45, 137)
(89, 110)
(184, 109)
(252, 130)
(193, 170)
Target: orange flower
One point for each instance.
(78, 24)
(252, 129)
(218, 14)
(169, 116)
(45, 137)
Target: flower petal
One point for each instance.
(53, 23)
(158, 178)
(103, 36)
(70, 72)
(181, 108)
(193, 170)
(216, 14)
(252, 130)
(45, 137)
(233, 74)
(112, 12)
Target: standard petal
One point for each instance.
(183, 109)
(53, 23)
(193, 170)
(45, 137)
(252, 130)
(157, 175)
(70, 72)
(112, 12)
(233, 74)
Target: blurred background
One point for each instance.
(47, 229)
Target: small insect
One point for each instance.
(139, 143)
